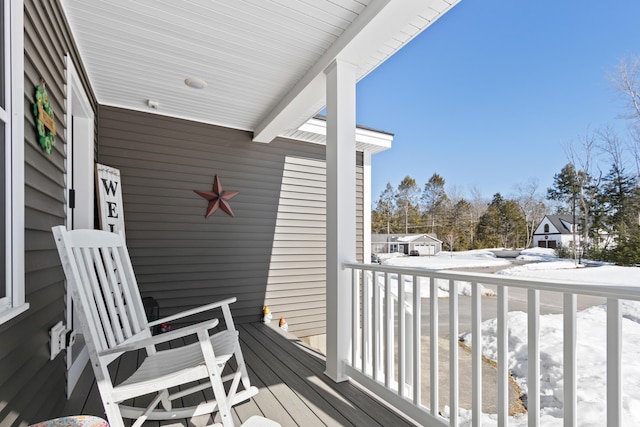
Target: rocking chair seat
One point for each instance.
(168, 368)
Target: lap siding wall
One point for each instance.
(272, 251)
(31, 386)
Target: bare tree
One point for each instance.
(626, 80)
(407, 198)
(532, 206)
(620, 187)
(611, 144)
(589, 177)
(455, 193)
(450, 240)
(479, 205)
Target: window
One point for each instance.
(546, 228)
(12, 298)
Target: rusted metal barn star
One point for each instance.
(218, 198)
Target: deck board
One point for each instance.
(293, 389)
(302, 402)
(350, 401)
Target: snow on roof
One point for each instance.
(402, 238)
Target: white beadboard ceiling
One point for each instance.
(263, 60)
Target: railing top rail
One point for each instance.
(629, 292)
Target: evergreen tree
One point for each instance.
(434, 203)
(566, 188)
(619, 201)
(569, 187)
(460, 225)
(385, 209)
(502, 225)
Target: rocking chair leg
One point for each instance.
(112, 411)
(242, 367)
(215, 377)
(166, 401)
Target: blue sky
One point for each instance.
(490, 94)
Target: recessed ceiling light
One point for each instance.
(195, 83)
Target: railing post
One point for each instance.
(388, 332)
(569, 358)
(533, 341)
(454, 395)
(614, 363)
(377, 314)
(402, 337)
(476, 353)
(433, 336)
(355, 315)
(409, 332)
(365, 346)
(503, 352)
(417, 343)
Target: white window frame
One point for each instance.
(13, 117)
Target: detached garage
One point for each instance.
(425, 244)
(555, 231)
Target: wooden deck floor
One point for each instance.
(293, 389)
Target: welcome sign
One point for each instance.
(109, 192)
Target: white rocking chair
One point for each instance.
(103, 286)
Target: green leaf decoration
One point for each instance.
(46, 136)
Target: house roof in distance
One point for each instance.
(403, 238)
(562, 223)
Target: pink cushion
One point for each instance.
(74, 421)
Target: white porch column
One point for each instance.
(366, 203)
(341, 211)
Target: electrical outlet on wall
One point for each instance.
(58, 340)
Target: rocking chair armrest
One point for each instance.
(159, 339)
(193, 311)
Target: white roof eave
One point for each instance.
(367, 140)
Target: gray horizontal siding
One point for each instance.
(32, 387)
(272, 252)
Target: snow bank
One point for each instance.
(591, 350)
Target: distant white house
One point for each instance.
(424, 244)
(555, 231)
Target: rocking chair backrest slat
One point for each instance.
(117, 310)
(103, 285)
(91, 268)
(81, 269)
(133, 300)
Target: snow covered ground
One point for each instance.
(591, 337)
(446, 260)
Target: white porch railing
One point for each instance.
(386, 333)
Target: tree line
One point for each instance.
(599, 187)
(461, 223)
